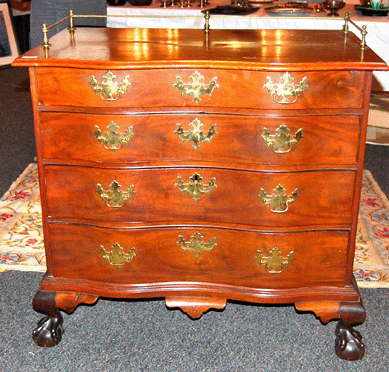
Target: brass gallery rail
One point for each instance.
(71, 28)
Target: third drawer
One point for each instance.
(231, 197)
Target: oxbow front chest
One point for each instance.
(201, 171)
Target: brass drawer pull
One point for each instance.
(112, 139)
(275, 263)
(196, 134)
(115, 198)
(286, 91)
(116, 257)
(109, 89)
(281, 142)
(196, 86)
(278, 202)
(196, 245)
(196, 187)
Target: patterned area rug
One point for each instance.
(22, 247)
(371, 263)
(21, 235)
(378, 128)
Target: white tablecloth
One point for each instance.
(176, 17)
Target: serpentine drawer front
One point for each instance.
(249, 141)
(193, 195)
(200, 88)
(220, 256)
(201, 169)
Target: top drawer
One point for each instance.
(153, 88)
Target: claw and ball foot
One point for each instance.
(348, 342)
(49, 331)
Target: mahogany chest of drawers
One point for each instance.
(201, 169)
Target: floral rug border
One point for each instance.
(371, 263)
(21, 235)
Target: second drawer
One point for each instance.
(244, 140)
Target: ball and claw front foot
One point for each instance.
(49, 331)
(348, 342)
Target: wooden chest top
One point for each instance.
(167, 48)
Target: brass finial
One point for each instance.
(45, 31)
(71, 27)
(346, 19)
(206, 18)
(363, 40)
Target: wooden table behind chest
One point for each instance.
(201, 170)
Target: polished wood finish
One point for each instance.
(72, 196)
(195, 307)
(329, 89)
(231, 262)
(227, 243)
(266, 50)
(240, 137)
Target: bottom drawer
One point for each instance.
(211, 255)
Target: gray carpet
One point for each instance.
(145, 336)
